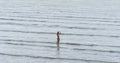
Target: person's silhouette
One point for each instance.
(58, 39)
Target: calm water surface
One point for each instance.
(90, 31)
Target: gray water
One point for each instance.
(90, 31)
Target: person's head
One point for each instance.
(58, 33)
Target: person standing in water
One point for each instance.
(58, 39)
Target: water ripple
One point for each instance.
(60, 58)
(35, 32)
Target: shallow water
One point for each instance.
(90, 31)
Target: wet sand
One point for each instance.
(90, 31)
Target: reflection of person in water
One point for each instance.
(58, 39)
